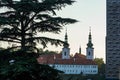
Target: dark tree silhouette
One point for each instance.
(22, 20)
(24, 67)
(20, 23)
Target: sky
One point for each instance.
(89, 13)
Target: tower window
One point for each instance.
(65, 53)
(89, 53)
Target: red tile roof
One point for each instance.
(77, 59)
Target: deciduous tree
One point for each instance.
(101, 65)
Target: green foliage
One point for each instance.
(24, 19)
(28, 71)
(41, 51)
(25, 67)
(101, 65)
(20, 23)
(82, 77)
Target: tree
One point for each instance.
(41, 51)
(24, 19)
(25, 67)
(101, 65)
(20, 23)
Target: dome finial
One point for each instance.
(90, 30)
(66, 39)
(66, 36)
(90, 39)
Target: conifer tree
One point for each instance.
(22, 20)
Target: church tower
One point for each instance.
(90, 49)
(66, 49)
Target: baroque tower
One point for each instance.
(90, 49)
(66, 49)
(113, 40)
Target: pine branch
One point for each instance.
(45, 40)
(25, 18)
(9, 40)
(50, 24)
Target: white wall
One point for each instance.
(67, 50)
(77, 69)
(91, 56)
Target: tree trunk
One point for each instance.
(22, 36)
(23, 41)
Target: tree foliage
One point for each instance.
(20, 23)
(101, 65)
(22, 20)
(24, 67)
(42, 51)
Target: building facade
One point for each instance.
(77, 64)
(113, 40)
(76, 68)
